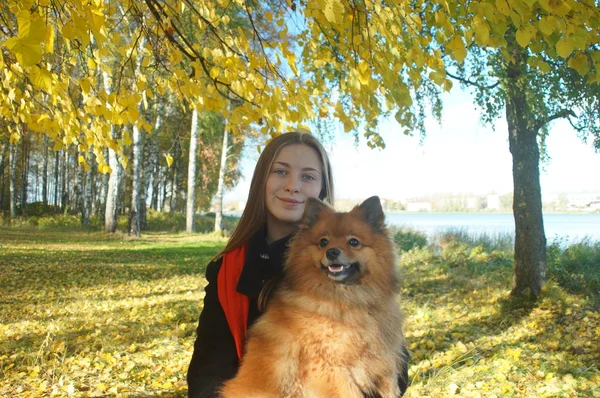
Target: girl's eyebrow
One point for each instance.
(284, 164)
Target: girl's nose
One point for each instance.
(292, 184)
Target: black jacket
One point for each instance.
(215, 357)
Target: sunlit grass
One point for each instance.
(87, 314)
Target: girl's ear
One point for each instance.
(312, 211)
(373, 213)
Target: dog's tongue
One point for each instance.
(336, 267)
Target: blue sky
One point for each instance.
(461, 155)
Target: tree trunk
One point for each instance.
(221, 185)
(114, 179)
(154, 157)
(81, 188)
(530, 240)
(104, 188)
(45, 170)
(163, 194)
(90, 181)
(25, 160)
(112, 193)
(191, 188)
(3, 147)
(56, 179)
(134, 210)
(66, 180)
(175, 179)
(12, 166)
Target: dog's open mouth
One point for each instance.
(341, 272)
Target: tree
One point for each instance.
(221, 182)
(534, 75)
(191, 186)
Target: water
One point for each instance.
(572, 227)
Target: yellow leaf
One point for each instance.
(523, 37)
(169, 159)
(49, 45)
(91, 63)
(32, 28)
(503, 7)
(457, 49)
(547, 25)
(482, 31)
(580, 63)
(127, 138)
(85, 85)
(41, 78)
(333, 11)
(564, 48)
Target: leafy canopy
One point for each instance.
(68, 68)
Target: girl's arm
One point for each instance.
(215, 358)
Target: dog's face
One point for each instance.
(343, 248)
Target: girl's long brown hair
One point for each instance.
(254, 215)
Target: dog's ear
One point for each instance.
(312, 210)
(373, 213)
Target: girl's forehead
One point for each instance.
(299, 156)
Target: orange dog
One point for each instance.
(333, 327)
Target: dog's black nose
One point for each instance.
(333, 253)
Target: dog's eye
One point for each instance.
(323, 242)
(353, 242)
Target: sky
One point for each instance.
(460, 156)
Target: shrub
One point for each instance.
(59, 221)
(38, 209)
(175, 222)
(576, 267)
(407, 239)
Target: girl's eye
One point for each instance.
(323, 242)
(280, 172)
(309, 177)
(353, 242)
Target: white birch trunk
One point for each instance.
(191, 188)
(45, 170)
(12, 166)
(221, 184)
(135, 217)
(114, 180)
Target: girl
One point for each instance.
(293, 167)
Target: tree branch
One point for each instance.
(472, 83)
(563, 113)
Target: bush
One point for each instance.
(576, 267)
(175, 222)
(59, 221)
(38, 209)
(407, 239)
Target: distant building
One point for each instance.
(418, 206)
(582, 200)
(473, 203)
(493, 202)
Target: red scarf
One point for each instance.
(235, 305)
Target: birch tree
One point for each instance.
(221, 182)
(191, 183)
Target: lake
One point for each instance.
(573, 227)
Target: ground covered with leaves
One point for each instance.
(86, 314)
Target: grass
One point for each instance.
(88, 314)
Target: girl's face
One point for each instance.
(296, 174)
